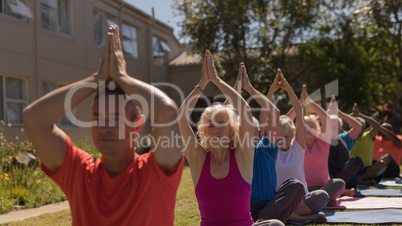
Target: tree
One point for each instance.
(343, 50)
(382, 22)
(316, 42)
(257, 32)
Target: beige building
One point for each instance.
(46, 44)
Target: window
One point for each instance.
(13, 99)
(56, 15)
(130, 40)
(159, 50)
(48, 87)
(102, 22)
(16, 8)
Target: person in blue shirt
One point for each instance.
(266, 201)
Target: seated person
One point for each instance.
(290, 160)
(269, 201)
(388, 145)
(221, 166)
(120, 188)
(340, 164)
(318, 139)
(384, 164)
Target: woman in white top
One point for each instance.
(290, 160)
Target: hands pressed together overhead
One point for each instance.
(112, 62)
(333, 107)
(303, 95)
(242, 80)
(355, 111)
(211, 70)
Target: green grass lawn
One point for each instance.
(186, 210)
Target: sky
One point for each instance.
(163, 11)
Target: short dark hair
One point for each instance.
(111, 88)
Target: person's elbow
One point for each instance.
(169, 112)
(28, 115)
(34, 117)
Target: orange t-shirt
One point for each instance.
(382, 147)
(141, 195)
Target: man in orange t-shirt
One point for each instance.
(121, 188)
(389, 144)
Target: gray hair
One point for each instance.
(286, 124)
(362, 121)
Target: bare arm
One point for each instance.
(162, 110)
(291, 113)
(192, 148)
(268, 108)
(326, 130)
(239, 83)
(245, 154)
(300, 129)
(376, 127)
(239, 80)
(40, 117)
(274, 87)
(235, 99)
(276, 84)
(357, 127)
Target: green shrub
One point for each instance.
(21, 195)
(6, 202)
(23, 184)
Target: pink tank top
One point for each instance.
(223, 201)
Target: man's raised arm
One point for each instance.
(40, 117)
(162, 110)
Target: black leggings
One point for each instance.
(350, 173)
(286, 200)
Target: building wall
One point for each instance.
(36, 54)
(185, 77)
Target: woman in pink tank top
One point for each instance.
(318, 140)
(221, 169)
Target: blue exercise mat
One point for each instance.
(389, 183)
(378, 192)
(383, 183)
(365, 217)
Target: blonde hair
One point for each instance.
(209, 113)
(314, 120)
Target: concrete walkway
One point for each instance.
(27, 213)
